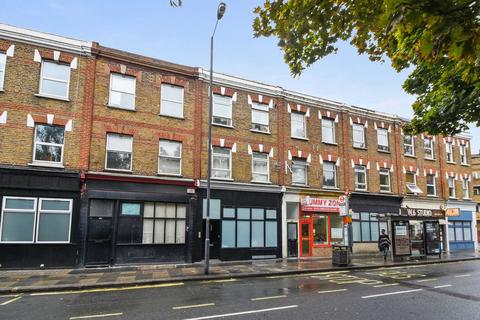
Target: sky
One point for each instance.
(182, 35)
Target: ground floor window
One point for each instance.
(326, 228)
(36, 220)
(460, 231)
(366, 227)
(249, 227)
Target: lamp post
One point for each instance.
(220, 12)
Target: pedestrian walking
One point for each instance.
(384, 244)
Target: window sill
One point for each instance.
(41, 95)
(260, 182)
(452, 198)
(300, 185)
(360, 148)
(451, 162)
(330, 188)
(361, 190)
(465, 165)
(299, 138)
(410, 156)
(46, 164)
(430, 159)
(330, 143)
(222, 125)
(171, 116)
(117, 170)
(468, 199)
(386, 192)
(222, 179)
(384, 151)
(1, 90)
(432, 196)
(169, 175)
(263, 132)
(120, 108)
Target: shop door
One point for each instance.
(432, 237)
(215, 239)
(292, 239)
(100, 230)
(417, 238)
(306, 238)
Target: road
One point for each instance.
(440, 291)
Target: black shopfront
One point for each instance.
(137, 220)
(244, 225)
(39, 218)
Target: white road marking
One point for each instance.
(270, 297)
(306, 274)
(243, 312)
(444, 286)
(386, 285)
(194, 306)
(463, 275)
(427, 280)
(219, 281)
(390, 293)
(10, 301)
(98, 316)
(331, 291)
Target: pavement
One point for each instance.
(23, 281)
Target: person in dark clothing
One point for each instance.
(384, 244)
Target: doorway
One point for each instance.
(100, 231)
(292, 239)
(306, 238)
(215, 240)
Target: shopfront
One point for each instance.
(462, 232)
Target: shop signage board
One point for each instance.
(401, 239)
(320, 204)
(422, 213)
(452, 212)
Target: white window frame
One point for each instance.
(334, 174)
(303, 163)
(381, 132)
(359, 128)
(39, 216)
(112, 75)
(131, 152)
(360, 169)
(411, 145)
(384, 172)
(434, 185)
(304, 118)
(412, 187)
(40, 91)
(453, 187)
(329, 127)
(425, 148)
(3, 58)
(449, 151)
(221, 169)
(181, 102)
(34, 210)
(465, 189)
(230, 119)
(267, 159)
(463, 154)
(47, 144)
(261, 108)
(160, 156)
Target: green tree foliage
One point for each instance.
(438, 39)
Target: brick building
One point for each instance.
(116, 144)
(476, 188)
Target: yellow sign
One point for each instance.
(452, 212)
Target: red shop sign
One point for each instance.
(320, 204)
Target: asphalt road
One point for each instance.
(441, 291)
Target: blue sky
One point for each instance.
(181, 35)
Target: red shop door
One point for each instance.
(306, 238)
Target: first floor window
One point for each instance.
(358, 135)
(451, 187)
(119, 152)
(222, 110)
(460, 231)
(463, 154)
(55, 79)
(411, 183)
(122, 91)
(298, 125)
(428, 148)
(170, 157)
(260, 117)
(409, 145)
(449, 151)
(366, 227)
(221, 163)
(25, 221)
(299, 172)
(465, 191)
(164, 223)
(328, 131)
(171, 103)
(260, 167)
(384, 180)
(329, 174)
(431, 185)
(476, 191)
(48, 144)
(3, 62)
(382, 139)
(360, 178)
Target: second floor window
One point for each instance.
(3, 62)
(122, 91)
(119, 152)
(476, 192)
(260, 121)
(221, 163)
(328, 131)
(172, 101)
(382, 139)
(260, 167)
(170, 157)
(222, 110)
(299, 172)
(465, 191)
(428, 148)
(449, 151)
(48, 144)
(431, 185)
(358, 136)
(411, 183)
(451, 187)
(408, 145)
(360, 178)
(329, 174)
(54, 79)
(298, 123)
(463, 154)
(384, 180)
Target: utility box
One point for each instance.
(340, 255)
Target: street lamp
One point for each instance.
(220, 12)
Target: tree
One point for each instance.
(438, 39)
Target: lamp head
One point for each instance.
(221, 10)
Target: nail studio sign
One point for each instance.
(320, 204)
(422, 213)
